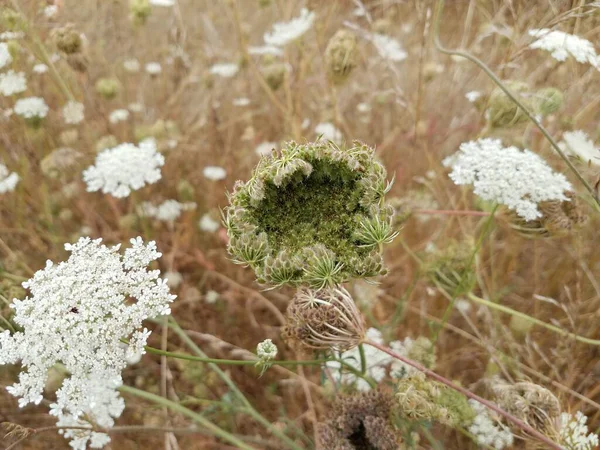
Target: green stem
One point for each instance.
(189, 413)
(500, 84)
(548, 326)
(248, 406)
(363, 359)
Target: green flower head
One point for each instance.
(312, 214)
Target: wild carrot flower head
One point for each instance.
(562, 45)
(125, 168)
(5, 56)
(31, 108)
(285, 32)
(574, 434)
(579, 144)
(325, 319)
(360, 421)
(340, 55)
(73, 112)
(8, 180)
(12, 83)
(487, 430)
(509, 176)
(77, 314)
(312, 214)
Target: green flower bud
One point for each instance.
(340, 55)
(549, 100)
(11, 20)
(503, 112)
(320, 210)
(452, 269)
(139, 11)
(274, 75)
(108, 88)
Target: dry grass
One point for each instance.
(418, 116)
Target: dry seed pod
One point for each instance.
(340, 55)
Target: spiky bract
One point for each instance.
(312, 214)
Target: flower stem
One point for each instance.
(548, 326)
(431, 374)
(189, 413)
(450, 212)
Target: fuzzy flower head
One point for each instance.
(225, 70)
(580, 145)
(387, 47)
(73, 112)
(5, 56)
(488, 431)
(285, 32)
(509, 176)
(12, 83)
(214, 173)
(153, 68)
(125, 168)
(266, 350)
(77, 314)
(312, 214)
(8, 180)
(118, 115)
(168, 211)
(31, 108)
(562, 45)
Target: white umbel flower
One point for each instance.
(50, 11)
(5, 56)
(509, 176)
(31, 108)
(285, 32)
(8, 180)
(40, 68)
(12, 83)
(578, 143)
(388, 47)
(265, 148)
(574, 432)
(131, 65)
(214, 173)
(118, 115)
(225, 70)
(265, 50)
(208, 224)
(165, 3)
(561, 45)
(125, 168)
(153, 68)
(168, 211)
(73, 112)
(329, 132)
(77, 314)
(266, 350)
(487, 431)
(473, 96)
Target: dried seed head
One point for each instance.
(503, 112)
(78, 62)
(532, 403)
(324, 319)
(59, 161)
(340, 55)
(558, 218)
(275, 74)
(549, 100)
(322, 211)
(451, 269)
(67, 39)
(360, 421)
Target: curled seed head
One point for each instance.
(67, 39)
(340, 55)
(503, 112)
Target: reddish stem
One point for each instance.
(469, 394)
(452, 212)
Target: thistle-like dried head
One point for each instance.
(361, 421)
(317, 213)
(324, 319)
(340, 55)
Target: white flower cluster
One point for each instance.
(8, 181)
(165, 3)
(225, 70)
(574, 432)
(399, 369)
(265, 148)
(131, 65)
(118, 115)
(487, 431)
(168, 211)
(265, 50)
(578, 143)
(387, 47)
(515, 178)
(562, 44)
(73, 112)
(40, 68)
(266, 350)
(5, 56)
(12, 83)
(76, 315)
(329, 132)
(153, 68)
(125, 168)
(208, 224)
(31, 108)
(214, 173)
(285, 32)
(376, 362)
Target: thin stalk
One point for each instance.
(363, 359)
(226, 436)
(548, 326)
(452, 212)
(248, 406)
(436, 38)
(431, 374)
